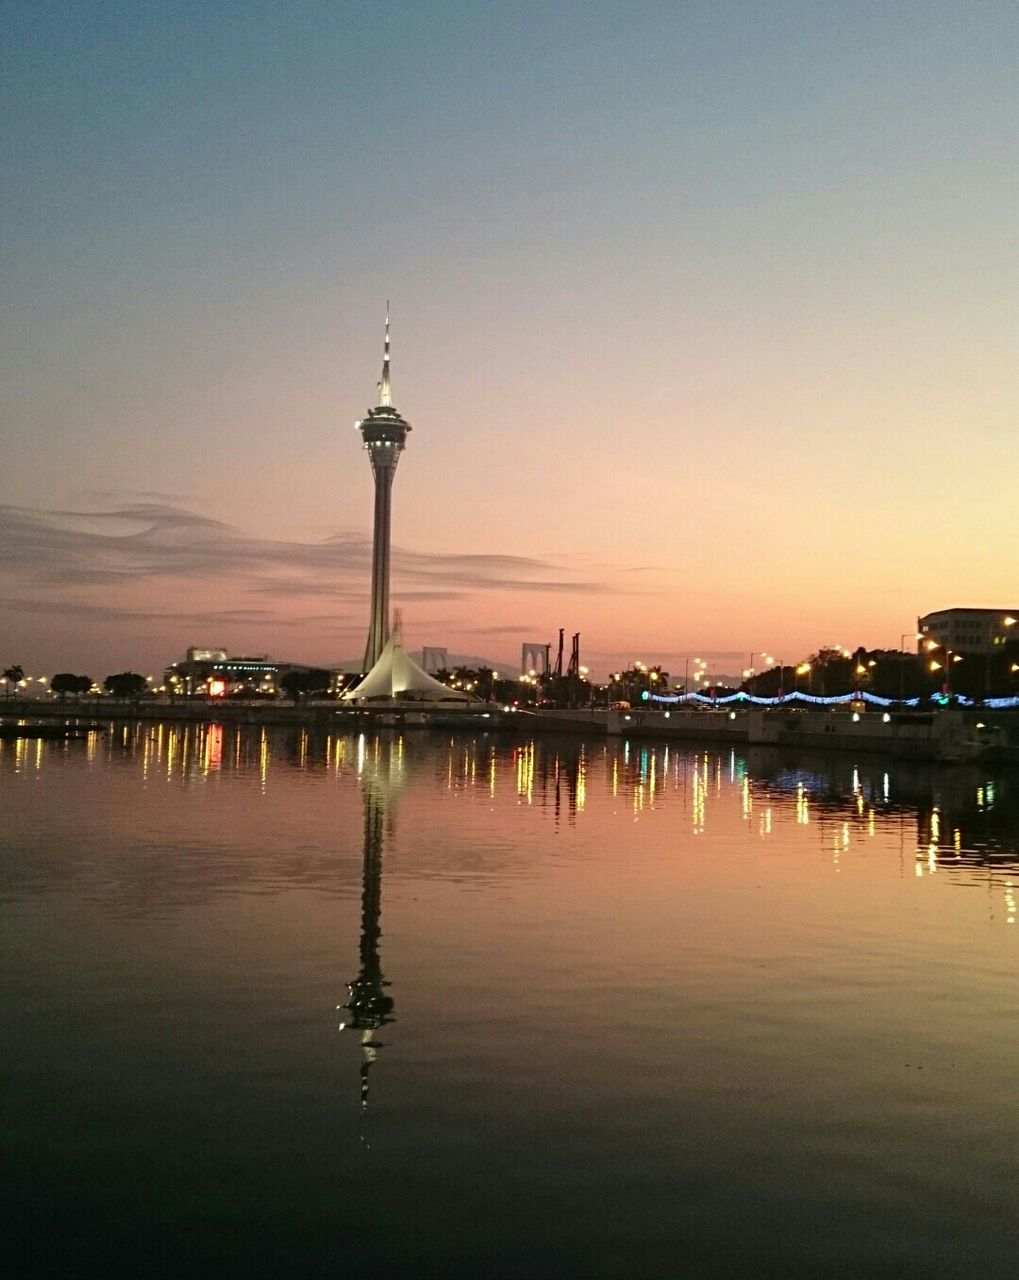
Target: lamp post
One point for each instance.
(751, 674)
(951, 657)
(902, 666)
(768, 660)
(700, 674)
(1007, 622)
(933, 664)
(699, 668)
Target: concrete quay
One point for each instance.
(947, 735)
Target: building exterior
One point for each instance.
(216, 673)
(968, 630)
(384, 433)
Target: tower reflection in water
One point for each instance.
(381, 767)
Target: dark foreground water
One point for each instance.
(289, 1005)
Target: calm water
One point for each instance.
(606, 1010)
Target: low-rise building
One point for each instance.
(217, 673)
(968, 630)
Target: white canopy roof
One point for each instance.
(397, 675)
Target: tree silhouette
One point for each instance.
(64, 683)
(13, 675)
(126, 684)
(297, 685)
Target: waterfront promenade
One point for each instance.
(950, 735)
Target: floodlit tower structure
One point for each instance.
(368, 1004)
(384, 433)
(369, 1007)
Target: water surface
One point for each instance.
(279, 1003)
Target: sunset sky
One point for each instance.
(704, 317)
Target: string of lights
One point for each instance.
(834, 700)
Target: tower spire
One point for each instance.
(385, 393)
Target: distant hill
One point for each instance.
(504, 668)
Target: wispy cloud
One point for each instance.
(101, 497)
(56, 554)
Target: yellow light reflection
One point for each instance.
(802, 806)
(212, 750)
(525, 772)
(698, 796)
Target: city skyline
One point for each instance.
(706, 320)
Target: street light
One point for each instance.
(951, 657)
(699, 668)
(751, 675)
(902, 666)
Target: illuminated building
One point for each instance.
(384, 433)
(969, 630)
(217, 672)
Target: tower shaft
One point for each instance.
(378, 623)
